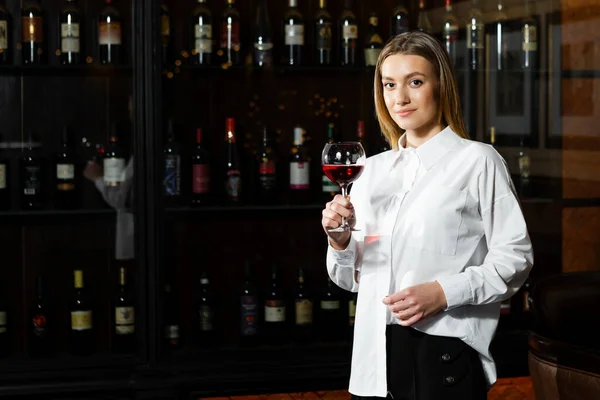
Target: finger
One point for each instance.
(345, 201)
(411, 321)
(330, 223)
(396, 297)
(329, 214)
(401, 306)
(407, 313)
(340, 209)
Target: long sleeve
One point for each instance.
(341, 265)
(510, 254)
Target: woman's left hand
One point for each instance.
(413, 304)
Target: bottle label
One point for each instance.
(203, 36)
(201, 178)
(268, 178)
(371, 56)
(274, 311)
(329, 186)
(2, 321)
(33, 29)
(206, 318)
(294, 35)
(172, 333)
(65, 171)
(124, 320)
(69, 34)
(81, 320)
(3, 34)
(249, 308)
(2, 176)
(172, 182)
(324, 36)
(475, 36)
(233, 185)
(109, 33)
(114, 171)
(165, 29)
(304, 312)
(529, 38)
(350, 32)
(39, 325)
(330, 304)
(32, 180)
(299, 175)
(230, 36)
(351, 312)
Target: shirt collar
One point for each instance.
(430, 151)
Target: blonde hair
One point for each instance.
(421, 44)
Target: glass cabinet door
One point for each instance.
(69, 287)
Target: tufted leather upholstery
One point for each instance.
(564, 347)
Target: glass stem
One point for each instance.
(344, 188)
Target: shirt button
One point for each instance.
(450, 380)
(446, 357)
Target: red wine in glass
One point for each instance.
(343, 163)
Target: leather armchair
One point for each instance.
(564, 346)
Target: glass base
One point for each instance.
(343, 229)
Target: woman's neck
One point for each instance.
(415, 138)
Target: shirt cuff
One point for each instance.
(457, 290)
(346, 257)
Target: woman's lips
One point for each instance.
(404, 113)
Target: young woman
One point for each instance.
(440, 241)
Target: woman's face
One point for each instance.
(409, 84)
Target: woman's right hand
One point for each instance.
(333, 213)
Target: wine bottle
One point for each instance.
(70, 31)
(114, 161)
(233, 180)
(275, 310)
(206, 313)
(202, 34)
(31, 177)
(4, 339)
(267, 171)
(40, 344)
(82, 332)
(450, 32)
(499, 38)
(171, 320)
(330, 312)
(529, 47)
(328, 187)
(299, 169)
(165, 33)
(230, 49)
(400, 19)
(200, 173)
(249, 310)
(5, 37)
(304, 311)
(32, 22)
(66, 187)
(110, 33)
(172, 171)
(348, 35)
(374, 43)
(5, 201)
(124, 312)
(323, 35)
(293, 34)
(475, 37)
(423, 23)
(263, 38)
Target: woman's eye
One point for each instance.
(416, 82)
(388, 85)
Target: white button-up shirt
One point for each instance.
(446, 211)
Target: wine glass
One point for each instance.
(343, 163)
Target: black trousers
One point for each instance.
(427, 367)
